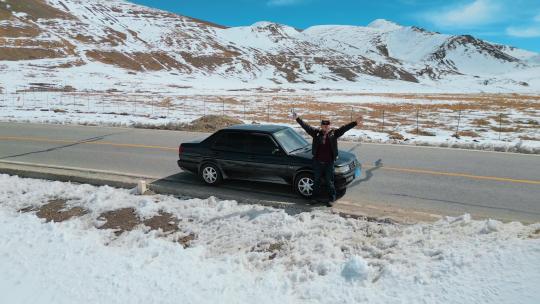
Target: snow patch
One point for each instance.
(355, 269)
(384, 25)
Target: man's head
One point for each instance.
(325, 125)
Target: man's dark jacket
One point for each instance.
(318, 135)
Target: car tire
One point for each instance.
(210, 174)
(303, 185)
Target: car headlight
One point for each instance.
(342, 169)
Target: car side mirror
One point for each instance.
(276, 151)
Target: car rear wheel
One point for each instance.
(303, 185)
(210, 174)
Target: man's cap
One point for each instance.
(325, 122)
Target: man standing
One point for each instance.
(325, 152)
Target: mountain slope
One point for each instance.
(116, 38)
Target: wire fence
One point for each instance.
(460, 121)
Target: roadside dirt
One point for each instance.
(56, 211)
(126, 219)
(213, 122)
(208, 123)
(120, 220)
(164, 221)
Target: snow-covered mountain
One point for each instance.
(63, 40)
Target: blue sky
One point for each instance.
(512, 22)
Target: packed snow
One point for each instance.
(251, 254)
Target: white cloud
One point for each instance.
(524, 32)
(478, 12)
(283, 2)
(530, 31)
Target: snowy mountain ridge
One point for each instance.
(47, 39)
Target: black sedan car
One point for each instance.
(269, 153)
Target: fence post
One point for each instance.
(244, 113)
(500, 125)
(458, 121)
(222, 107)
(417, 122)
(382, 127)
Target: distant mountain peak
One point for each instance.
(268, 24)
(383, 24)
(274, 28)
(264, 24)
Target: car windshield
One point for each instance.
(290, 140)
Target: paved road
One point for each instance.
(442, 181)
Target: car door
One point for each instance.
(229, 151)
(267, 160)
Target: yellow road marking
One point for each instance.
(493, 178)
(408, 170)
(85, 142)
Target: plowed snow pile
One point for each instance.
(67, 243)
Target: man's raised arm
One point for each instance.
(341, 130)
(309, 129)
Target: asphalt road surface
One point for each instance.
(434, 180)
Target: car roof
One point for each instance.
(256, 127)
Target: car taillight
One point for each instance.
(180, 149)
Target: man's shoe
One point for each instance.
(331, 202)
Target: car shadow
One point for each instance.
(188, 185)
(369, 173)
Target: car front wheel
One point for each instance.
(303, 184)
(210, 174)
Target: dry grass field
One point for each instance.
(509, 118)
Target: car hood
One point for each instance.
(344, 157)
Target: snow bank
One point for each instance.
(250, 253)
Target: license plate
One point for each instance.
(357, 172)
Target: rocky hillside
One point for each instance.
(43, 39)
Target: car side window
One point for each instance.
(231, 141)
(261, 144)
